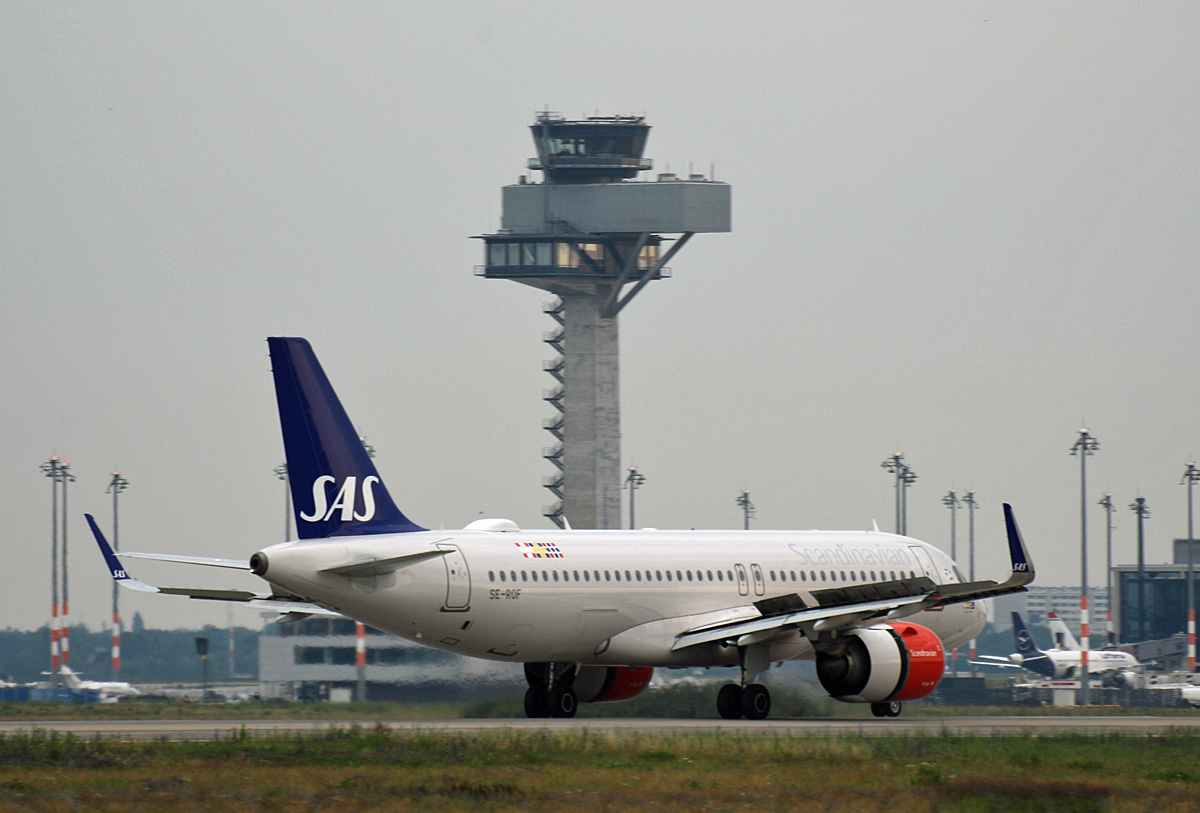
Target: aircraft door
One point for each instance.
(926, 562)
(458, 580)
(760, 586)
(743, 582)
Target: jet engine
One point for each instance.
(604, 684)
(883, 663)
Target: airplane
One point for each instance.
(110, 691)
(591, 613)
(1062, 662)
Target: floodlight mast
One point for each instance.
(968, 499)
(895, 465)
(1107, 503)
(281, 473)
(1085, 446)
(747, 507)
(633, 482)
(51, 469)
(116, 485)
(950, 500)
(1190, 476)
(1139, 507)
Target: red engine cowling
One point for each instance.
(896, 661)
(604, 684)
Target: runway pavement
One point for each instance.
(979, 726)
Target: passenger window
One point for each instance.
(792, 574)
(586, 576)
(491, 575)
(709, 574)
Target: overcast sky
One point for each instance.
(960, 231)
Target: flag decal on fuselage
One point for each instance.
(539, 550)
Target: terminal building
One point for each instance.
(315, 659)
(1151, 600)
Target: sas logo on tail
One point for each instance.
(323, 510)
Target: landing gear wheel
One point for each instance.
(889, 709)
(756, 702)
(563, 702)
(537, 702)
(729, 701)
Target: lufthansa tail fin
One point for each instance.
(336, 490)
(1022, 638)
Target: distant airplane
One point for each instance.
(591, 612)
(110, 691)
(1062, 662)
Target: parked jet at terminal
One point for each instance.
(591, 612)
(1062, 662)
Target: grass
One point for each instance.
(374, 768)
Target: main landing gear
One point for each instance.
(550, 693)
(752, 702)
(888, 709)
(747, 699)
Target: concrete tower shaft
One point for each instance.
(592, 414)
(585, 234)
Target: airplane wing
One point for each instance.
(841, 608)
(265, 601)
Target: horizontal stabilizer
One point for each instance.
(263, 601)
(236, 564)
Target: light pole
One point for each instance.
(281, 473)
(50, 469)
(1139, 507)
(747, 507)
(1085, 446)
(116, 485)
(1107, 503)
(950, 500)
(895, 465)
(1190, 475)
(64, 639)
(971, 503)
(633, 482)
(907, 479)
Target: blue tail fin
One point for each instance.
(336, 490)
(1021, 636)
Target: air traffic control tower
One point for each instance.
(593, 234)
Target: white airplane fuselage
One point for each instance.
(602, 597)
